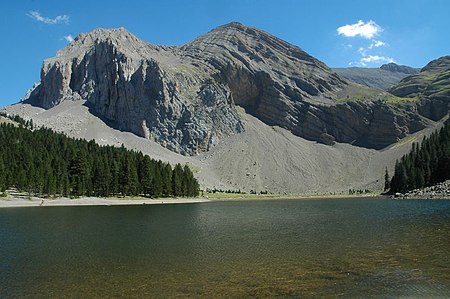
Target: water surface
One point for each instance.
(287, 248)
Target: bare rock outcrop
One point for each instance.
(395, 68)
(184, 97)
(140, 88)
(438, 191)
(283, 85)
(430, 86)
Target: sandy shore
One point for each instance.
(12, 202)
(23, 201)
(250, 197)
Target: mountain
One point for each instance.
(148, 90)
(184, 97)
(383, 77)
(245, 110)
(430, 87)
(395, 68)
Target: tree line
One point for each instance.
(46, 163)
(425, 165)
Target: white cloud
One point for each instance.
(362, 29)
(376, 59)
(377, 44)
(68, 38)
(356, 63)
(35, 15)
(374, 44)
(369, 48)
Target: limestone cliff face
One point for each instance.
(140, 88)
(184, 97)
(283, 85)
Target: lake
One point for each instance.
(269, 248)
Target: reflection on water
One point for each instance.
(287, 248)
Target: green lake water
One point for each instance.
(361, 248)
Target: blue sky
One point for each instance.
(340, 33)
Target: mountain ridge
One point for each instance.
(384, 77)
(184, 97)
(430, 87)
(238, 121)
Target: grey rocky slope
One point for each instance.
(383, 77)
(184, 97)
(430, 88)
(396, 68)
(260, 158)
(148, 90)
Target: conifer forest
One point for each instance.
(426, 164)
(45, 163)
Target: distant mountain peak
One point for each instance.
(430, 85)
(393, 67)
(233, 25)
(442, 63)
(119, 38)
(105, 34)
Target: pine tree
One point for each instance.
(157, 184)
(2, 176)
(146, 176)
(420, 181)
(114, 178)
(177, 181)
(387, 180)
(77, 171)
(133, 182)
(402, 178)
(191, 182)
(124, 177)
(166, 179)
(100, 178)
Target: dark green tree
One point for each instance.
(387, 180)
(47, 163)
(146, 176)
(426, 164)
(78, 172)
(2, 176)
(177, 181)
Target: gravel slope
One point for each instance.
(261, 158)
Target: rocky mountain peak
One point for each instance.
(119, 38)
(184, 97)
(236, 37)
(231, 26)
(258, 67)
(106, 33)
(430, 85)
(440, 64)
(393, 67)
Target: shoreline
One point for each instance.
(12, 201)
(19, 202)
(438, 191)
(250, 197)
(22, 202)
